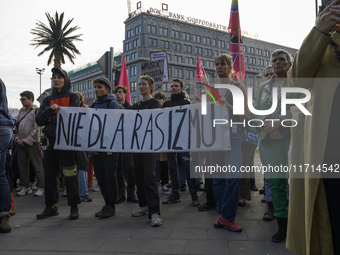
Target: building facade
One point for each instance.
(184, 41)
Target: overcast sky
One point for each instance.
(102, 25)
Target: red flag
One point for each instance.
(201, 78)
(236, 47)
(123, 80)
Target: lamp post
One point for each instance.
(40, 72)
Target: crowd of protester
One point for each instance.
(144, 174)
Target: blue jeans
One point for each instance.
(173, 166)
(6, 138)
(226, 190)
(82, 179)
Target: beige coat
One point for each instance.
(309, 230)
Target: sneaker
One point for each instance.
(34, 186)
(155, 220)
(194, 201)
(99, 214)
(165, 189)
(107, 212)
(90, 188)
(96, 189)
(140, 212)
(19, 188)
(172, 199)
(64, 193)
(183, 187)
(221, 222)
(39, 193)
(86, 198)
(24, 191)
(74, 213)
(241, 203)
(48, 212)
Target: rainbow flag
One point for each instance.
(236, 50)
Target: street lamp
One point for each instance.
(40, 72)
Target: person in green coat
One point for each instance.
(275, 137)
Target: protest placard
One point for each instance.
(155, 69)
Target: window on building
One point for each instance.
(167, 44)
(150, 41)
(214, 42)
(185, 48)
(200, 50)
(199, 39)
(215, 53)
(244, 49)
(174, 46)
(178, 46)
(260, 52)
(180, 59)
(175, 58)
(256, 51)
(176, 72)
(155, 42)
(126, 46)
(210, 53)
(194, 38)
(177, 34)
(162, 44)
(161, 31)
(188, 36)
(173, 33)
(153, 29)
(187, 74)
(223, 44)
(208, 41)
(191, 74)
(186, 60)
(128, 34)
(196, 50)
(183, 35)
(170, 57)
(204, 40)
(149, 28)
(180, 73)
(127, 57)
(189, 48)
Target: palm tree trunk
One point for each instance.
(57, 59)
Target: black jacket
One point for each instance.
(176, 100)
(46, 116)
(150, 104)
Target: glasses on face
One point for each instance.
(22, 99)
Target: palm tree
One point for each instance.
(56, 39)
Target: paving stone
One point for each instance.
(226, 234)
(207, 247)
(115, 232)
(153, 232)
(251, 248)
(81, 244)
(159, 246)
(132, 245)
(186, 234)
(259, 235)
(42, 243)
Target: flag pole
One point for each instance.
(239, 54)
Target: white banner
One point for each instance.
(158, 130)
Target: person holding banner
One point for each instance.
(177, 99)
(226, 190)
(105, 163)
(145, 163)
(125, 159)
(47, 116)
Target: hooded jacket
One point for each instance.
(109, 102)
(65, 98)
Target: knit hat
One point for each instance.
(104, 81)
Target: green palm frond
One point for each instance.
(56, 38)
